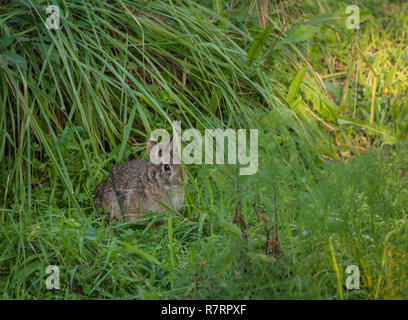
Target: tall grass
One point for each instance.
(78, 100)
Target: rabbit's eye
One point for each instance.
(166, 167)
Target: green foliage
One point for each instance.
(76, 101)
(258, 43)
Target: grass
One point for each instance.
(331, 189)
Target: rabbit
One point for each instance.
(135, 186)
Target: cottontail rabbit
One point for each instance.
(133, 187)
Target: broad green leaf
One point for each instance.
(300, 33)
(295, 85)
(5, 41)
(372, 128)
(258, 43)
(321, 103)
(13, 59)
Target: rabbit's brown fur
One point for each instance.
(138, 185)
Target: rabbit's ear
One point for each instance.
(149, 145)
(171, 145)
(175, 154)
(168, 146)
